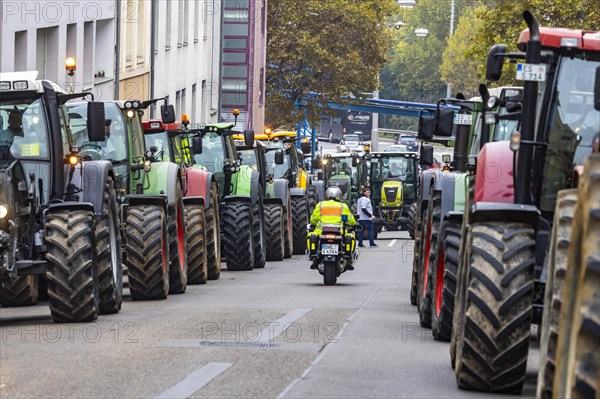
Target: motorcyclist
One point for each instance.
(329, 212)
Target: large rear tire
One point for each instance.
(213, 235)
(578, 358)
(299, 221)
(258, 228)
(21, 291)
(557, 259)
(443, 282)
(288, 233)
(147, 252)
(432, 226)
(195, 223)
(274, 229)
(72, 273)
(313, 199)
(414, 294)
(329, 273)
(410, 219)
(109, 255)
(178, 270)
(238, 244)
(491, 352)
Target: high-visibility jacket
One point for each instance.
(330, 212)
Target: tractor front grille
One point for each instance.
(391, 193)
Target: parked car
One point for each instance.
(409, 141)
(351, 143)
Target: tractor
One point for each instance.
(167, 143)
(507, 226)
(240, 194)
(58, 208)
(304, 192)
(277, 201)
(151, 198)
(348, 172)
(394, 180)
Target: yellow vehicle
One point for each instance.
(305, 192)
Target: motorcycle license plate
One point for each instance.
(329, 249)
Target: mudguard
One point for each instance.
(247, 183)
(69, 206)
(495, 182)
(162, 179)
(193, 200)
(425, 183)
(90, 177)
(143, 199)
(303, 179)
(277, 192)
(320, 186)
(455, 216)
(236, 198)
(452, 185)
(498, 211)
(199, 183)
(297, 192)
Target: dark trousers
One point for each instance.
(366, 224)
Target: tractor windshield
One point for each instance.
(159, 143)
(341, 166)
(23, 130)
(572, 124)
(278, 171)
(213, 152)
(114, 147)
(248, 157)
(397, 168)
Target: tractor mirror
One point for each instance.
(278, 157)
(444, 122)
(426, 154)
(355, 161)
(249, 138)
(513, 107)
(315, 163)
(306, 147)
(197, 145)
(167, 113)
(597, 90)
(426, 125)
(494, 62)
(96, 121)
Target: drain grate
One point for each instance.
(244, 345)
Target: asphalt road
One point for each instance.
(275, 332)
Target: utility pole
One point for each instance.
(449, 87)
(375, 126)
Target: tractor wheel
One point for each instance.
(432, 227)
(491, 352)
(147, 252)
(274, 230)
(21, 291)
(410, 223)
(414, 297)
(299, 221)
(443, 280)
(109, 256)
(313, 199)
(238, 242)
(288, 233)
(178, 270)
(213, 235)
(72, 273)
(577, 357)
(557, 258)
(195, 218)
(460, 294)
(258, 223)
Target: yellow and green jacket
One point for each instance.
(330, 212)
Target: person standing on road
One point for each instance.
(365, 217)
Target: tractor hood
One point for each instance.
(392, 193)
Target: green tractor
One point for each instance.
(394, 182)
(151, 198)
(277, 201)
(346, 171)
(240, 193)
(58, 208)
(168, 142)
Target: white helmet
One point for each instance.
(333, 193)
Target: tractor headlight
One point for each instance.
(3, 211)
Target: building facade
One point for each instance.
(185, 51)
(41, 35)
(243, 61)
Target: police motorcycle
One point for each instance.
(335, 250)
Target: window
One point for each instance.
(21, 51)
(204, 101)
(168, 4)
(194, 102)
(40, 53)
(180, 24)
(183, 107)
(140, 39)
(197, 4)
(178, 102)
(186, 21)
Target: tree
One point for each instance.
(322, 50)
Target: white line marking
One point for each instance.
(280, 325)
(391, 244)
(196, 380)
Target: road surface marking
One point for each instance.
(280, 325)
(391, 244)
(195, 381)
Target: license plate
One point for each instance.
(531, 72)
(329, 249)
(463, 119)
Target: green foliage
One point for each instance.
(333, 47)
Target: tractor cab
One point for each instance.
(346, 171)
